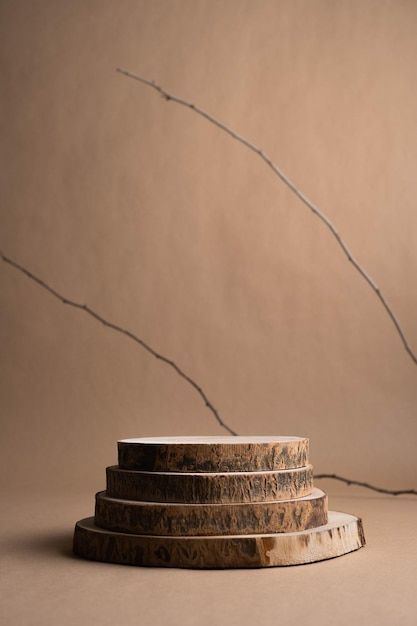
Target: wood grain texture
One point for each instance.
(213, 454)
(341, 535)
(154, 518)
(211, 487)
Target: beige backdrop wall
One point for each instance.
(166, 226)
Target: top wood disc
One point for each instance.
(213, 454)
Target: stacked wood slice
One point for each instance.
(214, 502)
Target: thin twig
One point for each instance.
(285, 179)
(123, 331)
(348, 481)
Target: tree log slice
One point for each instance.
(154, 518)
(211, 487)
(213, 454)
(342, 534)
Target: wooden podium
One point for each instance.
(214, 502)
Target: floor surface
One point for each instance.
(42, 583)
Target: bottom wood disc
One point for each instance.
(342, 534)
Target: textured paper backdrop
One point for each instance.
(166, 226)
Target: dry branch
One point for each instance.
(123, 331)
(285, 179)
(358, 483)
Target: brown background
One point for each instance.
(166, 226)
(169, 228)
